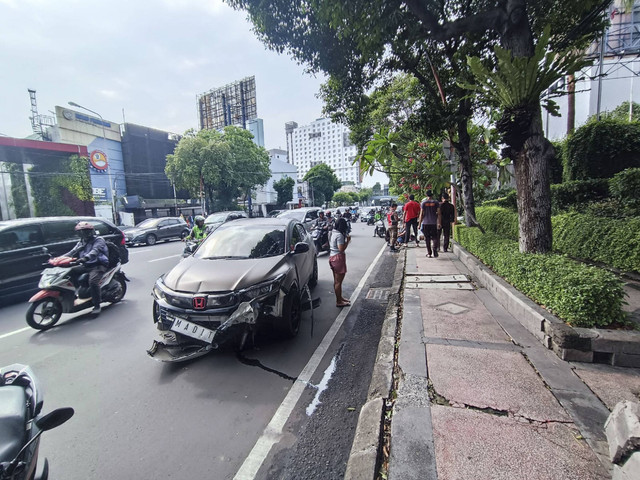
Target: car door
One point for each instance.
(303, 261)
(22, 255)
(164, 230)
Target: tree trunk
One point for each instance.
(571, 103)
(534, 191)
(466, 176)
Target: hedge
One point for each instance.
(625, 187)
(581, 295)
(611, 241)
(577, 193)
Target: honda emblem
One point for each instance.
(199, 303)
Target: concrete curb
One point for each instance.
(590, 345)
(364, 449)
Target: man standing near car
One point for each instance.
(93, 255)
(411, 214)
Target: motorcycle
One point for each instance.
(21, 424)
(380, 229)
(59, 295)
(320, 239)
(371, 219)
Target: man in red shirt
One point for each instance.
(411, 213)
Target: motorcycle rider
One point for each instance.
(321, 224)
(93, 255)
(330, 221)
(198, 232)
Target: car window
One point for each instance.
(312, 215)
(240, 242)
(295, 238)
(60, 231)
(172, 221)
(301, 231)
(101, 227)
(23, 236)
(164, 223)
(148, 223)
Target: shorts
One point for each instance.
(338, 263)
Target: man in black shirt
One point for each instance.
(447, 212)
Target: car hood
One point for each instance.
(196, 275)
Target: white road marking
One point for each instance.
(164, 258)
(5, 335)
(273, 430)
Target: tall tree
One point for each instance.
(322, 183)
(350, 40)
(284, 188)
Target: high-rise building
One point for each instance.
(322, 142)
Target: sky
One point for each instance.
(144, 61)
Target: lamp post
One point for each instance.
(104, 144)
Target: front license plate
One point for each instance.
(192, 330)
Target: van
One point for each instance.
(27, 244)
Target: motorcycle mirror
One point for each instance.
(55, 418)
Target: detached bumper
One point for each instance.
(162, 352)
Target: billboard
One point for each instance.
(233, 104)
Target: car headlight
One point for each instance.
(216, 301)
(263, 289)
(158, 290)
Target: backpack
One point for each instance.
(114, 253)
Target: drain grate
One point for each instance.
(381, 294)
(437, 282)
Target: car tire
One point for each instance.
(313, 280)
(151, 239)
(44, 314)
(288, 325)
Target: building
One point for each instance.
(620, 67)
(256, 127)
(322, 142)
(267, 196)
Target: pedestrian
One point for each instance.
(338, 260)
(447, 213)
(430, 221)
(393, 227)
(411, 214)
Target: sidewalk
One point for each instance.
(479, 397)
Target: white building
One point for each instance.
(322, 142)
(618, 82)
(279, 167)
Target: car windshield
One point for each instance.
(216, 218)
(297, 214)
(149, 223)
(239, 242)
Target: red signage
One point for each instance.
(98, 160)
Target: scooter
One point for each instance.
(320, 239)
(380, 230)
(59, 295)
(21, 424)
(371, 219)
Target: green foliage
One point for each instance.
(365, 195)
(323, 182)
(581, 295)
(342, 198)
(19, 198)
(625, 187)
(614, 242)
(621, 112)
(508, 201)
(376, 191)
(577, 194)
(557, 162)
(602, 149)
(498, 220)
(284, 188)
(228, 164)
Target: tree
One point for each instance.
(365, 195)
(284, 187)
(322, 183)
(376, 190)
(621, 112)
(351, 40)
(222, 165)
(341, 198)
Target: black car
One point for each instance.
(246, 274)
(152, 230)
(26, 244)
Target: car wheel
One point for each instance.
(44, 314)
(313, 280)
(289, 324)
(151, 239)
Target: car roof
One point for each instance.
(31, 220)
(260, 221)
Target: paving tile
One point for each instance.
(610, 384)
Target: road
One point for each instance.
(137, 418)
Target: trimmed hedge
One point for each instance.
(577, 193)
(580, 295)
(509, 201)
(611, 241)
(625, 187)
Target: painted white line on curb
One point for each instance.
(164, 258)
(5, 335)
(273, 431)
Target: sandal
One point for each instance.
(346, 304)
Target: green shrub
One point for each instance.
(509, 201)
(557, 162)
(602, 149)
(625, 187)
(614, 242)
(577, 194)
(501, 221)
(580, 295)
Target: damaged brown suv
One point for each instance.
(247, 274)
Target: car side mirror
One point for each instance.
(301, 247)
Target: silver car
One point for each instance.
(245, 275)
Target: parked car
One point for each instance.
(305, 215)
(26, 244)
(152, 230)
(213, 221)
(245, 275)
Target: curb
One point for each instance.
(363, 457)
(573, 344)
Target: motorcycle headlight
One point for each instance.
(263, 289)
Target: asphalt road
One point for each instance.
(137, 418)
